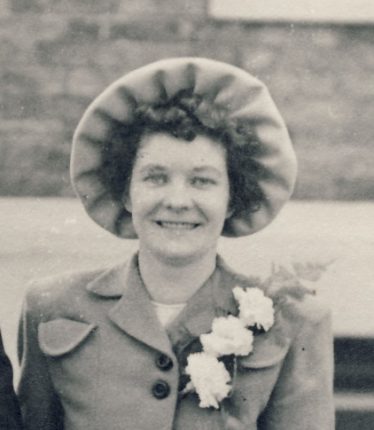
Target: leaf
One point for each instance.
(296, 292)
(311, 271)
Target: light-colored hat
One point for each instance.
(244, 97)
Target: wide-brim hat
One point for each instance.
(244, 98)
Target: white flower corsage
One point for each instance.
(256, 310)
(209, 378)
(230, 336)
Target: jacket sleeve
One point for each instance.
(40, 406)
(10, 416)
(303, 396)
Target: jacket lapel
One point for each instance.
(133, 313)
(215, 299)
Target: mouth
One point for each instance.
(177, 225)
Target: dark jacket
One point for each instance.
(10, 416)
(93, 357)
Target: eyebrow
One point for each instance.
(202, 169)
(152, 168)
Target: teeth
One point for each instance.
(177, 225)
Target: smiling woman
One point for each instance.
(177, 154)
(179, 200)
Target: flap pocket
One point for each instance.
(61, 336)
(267, 351)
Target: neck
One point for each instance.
(168, 282)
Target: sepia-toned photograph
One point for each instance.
(186, 215)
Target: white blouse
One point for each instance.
(167, 312)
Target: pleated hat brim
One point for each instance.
(243, 96)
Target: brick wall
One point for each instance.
(56, 55)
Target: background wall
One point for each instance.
(57, 55)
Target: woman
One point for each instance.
(10, 416)
(177, 153)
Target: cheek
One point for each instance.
(217, 204)
(142, 200)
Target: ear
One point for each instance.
(229, 212)
(127, 202)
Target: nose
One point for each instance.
(178, 196)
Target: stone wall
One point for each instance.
(56, 55)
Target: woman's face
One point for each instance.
(178, 196)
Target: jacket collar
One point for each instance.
(213, 299)
(135, 314)
(111, 283)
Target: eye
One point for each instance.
(156, 178)
(202, 181)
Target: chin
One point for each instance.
(179, 256)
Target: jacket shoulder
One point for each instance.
(49, 292)
(310, 308)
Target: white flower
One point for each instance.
(209, 378)
(256, 310)
(228, 336)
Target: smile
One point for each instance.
(174, 225)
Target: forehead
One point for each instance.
(166, 150)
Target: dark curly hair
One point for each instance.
(185, 116)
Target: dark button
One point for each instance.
(160, 389)
(164, 362)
